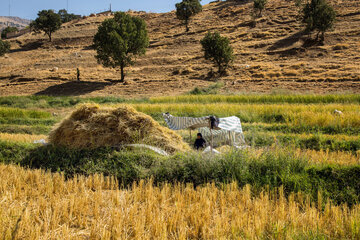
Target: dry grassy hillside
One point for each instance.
(273, 56)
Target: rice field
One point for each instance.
(38, 205)
(299, 130)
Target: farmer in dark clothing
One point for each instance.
(200, 142)
(78, 74)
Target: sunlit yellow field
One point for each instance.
(25, 138)
(307, 115)
(39, 205)
(35, 204)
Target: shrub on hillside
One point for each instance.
(187, 9)
(67, 17)
(259, 6)
(8, 30)
(318, 16)
(218, 50)
(4, 47)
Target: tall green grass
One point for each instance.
(20, 113)
(304, 141)
(273, 168)
(299, 115)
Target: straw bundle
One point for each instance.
(91, 126)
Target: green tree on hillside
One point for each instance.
(218, 50)
(187, 9)
(4, 47)
(8, 30)
(319, 16)
(119, 40)
(259, 6)
(67, 17)
(47, 21)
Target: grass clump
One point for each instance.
(212, 89)
(20, 113)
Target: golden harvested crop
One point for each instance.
(91, 126)
(35, 204)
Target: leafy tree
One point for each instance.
(259, 6)
(119, 40)
(8, 30)
(218, 50)
(187, 9)
(67, 17)
(4, 47)
(318, 15)
(47, 21)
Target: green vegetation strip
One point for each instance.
(286, 128)
(310, 141)
(20, 113)
(24, 129)
(264, 99)
(270, 169)
(55, 102)
(29, 122)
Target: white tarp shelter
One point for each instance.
(226, 130)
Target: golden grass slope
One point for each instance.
(91, 126)
(273, 56)
(39, 205)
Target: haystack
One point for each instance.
(91, 126)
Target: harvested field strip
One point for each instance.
(263, 99)
(24, 138)
(329, 157)
(93, 207)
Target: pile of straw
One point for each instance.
(91, 126)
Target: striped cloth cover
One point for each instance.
(229, 132)
(179, 123)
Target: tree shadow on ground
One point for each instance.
(74, 88)
(226, 4)
(29, 46)
(288, 41)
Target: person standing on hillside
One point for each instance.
(200, 142)
(78, 74)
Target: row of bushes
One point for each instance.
(273, 168)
